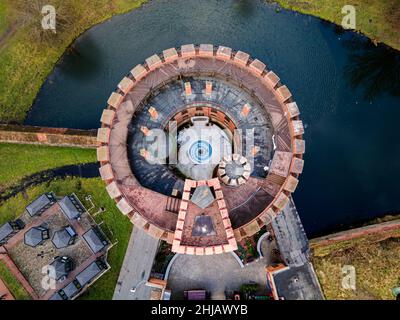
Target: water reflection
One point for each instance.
(80, 62)
(337, 29)
(373, 69)
(245, 8)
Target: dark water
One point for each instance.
(352, 166)
(87, 170)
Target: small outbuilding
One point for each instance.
(72, 207)
(91, 272)
(95, 239)
(64, 237)
(9, 229)
(195, 295)
(60, 268)
(71, 290)
(57, 297)
(6, 232)
(41, 204)
(36, 236)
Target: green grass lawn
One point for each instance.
(18, 161)
(3, 17)
(116, 226)
(376, 261)
(12, 284)
(378, 19)
(25, 63)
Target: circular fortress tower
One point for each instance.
(201, 146)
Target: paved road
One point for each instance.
(136, 268)
(216, 274)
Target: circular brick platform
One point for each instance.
(249, 206)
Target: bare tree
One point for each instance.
(29, 13)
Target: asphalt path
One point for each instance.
(136, 268)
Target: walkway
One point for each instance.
(48, 136)
(216, 274)
(137, 266)
(291, 237)
(378, 228)
(5, 294)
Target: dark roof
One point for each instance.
(56, 297)
(5, 230)
(298, 283)
(87, 275)
(196, 295)
(37, 206)
(290, 236)
(71, 206)
(64, 238)
(70, 290)
(35, 236)
(60, 267)
(95, 240)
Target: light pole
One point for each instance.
(133, 290)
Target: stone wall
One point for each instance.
(379, 228)
(48, 136)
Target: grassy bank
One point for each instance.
(26, 59)
(18, 161)
(117, 227)
(12, 284)
(376, 261)
(377, 19)
(3, 17)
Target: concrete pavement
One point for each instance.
(216, 274)
(137, 266)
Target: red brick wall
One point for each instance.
(48, 136)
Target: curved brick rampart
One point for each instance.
(146, 208)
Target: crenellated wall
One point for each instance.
(147, 208)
